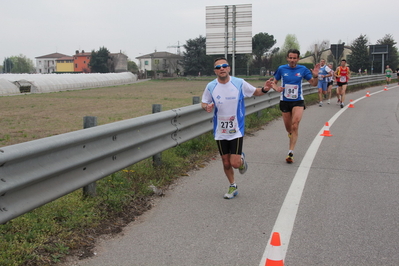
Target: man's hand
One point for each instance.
(315, 70)
(274, 86)
(268, 84)
(209, 107)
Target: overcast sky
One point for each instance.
(138, 27)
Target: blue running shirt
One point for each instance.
(291, 80)
(229, 115)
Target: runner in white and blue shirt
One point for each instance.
(229, 116)
(322, 85)
(225, 95)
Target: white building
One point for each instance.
(161, 61)
(47, 63)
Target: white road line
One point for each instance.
(286, 217)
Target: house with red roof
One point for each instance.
(47, 63)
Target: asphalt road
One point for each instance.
(338, 204)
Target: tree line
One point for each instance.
(18, 64)
(265, 57)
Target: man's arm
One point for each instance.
(207, 103)
(313, 81)
(265, 89)
(330, 73)
(335, 73)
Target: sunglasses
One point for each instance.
(220, 66)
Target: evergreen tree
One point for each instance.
(359, 59)
(261, 44)
(100, 61)
(195, 60)
(393, 57)
(8, 65)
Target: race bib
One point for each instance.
(291, 91)
(342, 79)
(227, 125)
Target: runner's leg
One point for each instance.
(297, 113)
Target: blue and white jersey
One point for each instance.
(291, 81)
(329, 79)
(229, 115)
(324, 71)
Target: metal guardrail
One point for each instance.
(36, 172)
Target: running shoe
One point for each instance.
(233, 191)
(244, 167)
(290, 158)
(321, 104)
(328, 101)
(342, 105)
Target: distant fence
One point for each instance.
(39, 171)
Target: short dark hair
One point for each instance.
(220, 58)
(343, 60)
(293, 51)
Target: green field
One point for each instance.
(33, 116)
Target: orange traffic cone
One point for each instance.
(368, 94)
(351, 104)
(326, 132)
(385, 88)
(275, 255)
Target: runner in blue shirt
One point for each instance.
(225, 95)
(292, 101)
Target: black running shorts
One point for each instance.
(286, 106)
(233, 146)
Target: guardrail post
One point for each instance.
(259, 114)
(90, 189)
(157, 158)
(196, 99)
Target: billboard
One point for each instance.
(229, 29)
(337, 50)
(378, 52)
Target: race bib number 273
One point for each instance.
(227, 125)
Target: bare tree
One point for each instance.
(317, 50)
